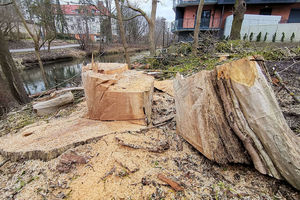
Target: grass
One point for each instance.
(179, 57)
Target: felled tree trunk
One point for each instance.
(114, 93)
(231, 114)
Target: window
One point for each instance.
(205, 19)
(266, 11)
(294, 16)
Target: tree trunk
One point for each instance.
(197, 27)
(238, 18)
(152, 28)
(122, 32)
(38, 56)
(7, 100)
(231, 114)
(11, 74)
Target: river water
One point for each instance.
(59, 73)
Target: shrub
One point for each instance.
(245, 36)
(282, 37)
(266, 36)
(274, 37)
(258, 37)
(292, 37)
(251, 36)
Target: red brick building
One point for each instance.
(215, 13)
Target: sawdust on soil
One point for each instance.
(125, 166)
(47, 139)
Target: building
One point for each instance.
(78, 16)
(215, 12)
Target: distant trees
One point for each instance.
(238, 18)
(151, 23)
(61, 21)
(35, 35)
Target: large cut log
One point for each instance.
(236, 101)
(52, 105)
(115, 93)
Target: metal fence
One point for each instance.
(189, 24)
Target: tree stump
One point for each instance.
(115, 93)
(231, 114)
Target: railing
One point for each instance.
(181, 3)
(177, 3)
(188, 24)
(258, 1)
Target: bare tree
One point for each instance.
(44, 14)
(35, 36)
(238, 18)
(122, 32)
(151, 23)
(197, 27)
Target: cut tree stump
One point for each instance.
(47, 140)
(114, 93)
(231, 114)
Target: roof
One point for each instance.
(75, 9)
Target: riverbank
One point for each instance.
(28, 59)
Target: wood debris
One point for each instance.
(170, 182)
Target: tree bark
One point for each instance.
(238, 18)
(152, 28)
(197, 27)
(7, 100)
(231, 114)
(11, 73)
(122, 32)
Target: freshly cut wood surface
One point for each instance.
(201, 121)
(125, 95)
(231, 114)
(165, 86)
(47, 140)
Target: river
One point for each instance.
(58, 73)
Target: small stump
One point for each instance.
(115, 93)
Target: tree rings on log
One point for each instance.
(114, 93)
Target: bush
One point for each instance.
(282, 37)
(245, 36)
(258, 37)
(274, 37)
(292, 37)
(64, 36)
(251, 36)
(266, 36)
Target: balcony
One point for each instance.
(189, 25)
(184, 3)
(258, 1)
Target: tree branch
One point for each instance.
(6, 4)
(139, 11)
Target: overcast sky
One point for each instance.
(164, 8)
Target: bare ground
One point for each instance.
(126, 165)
